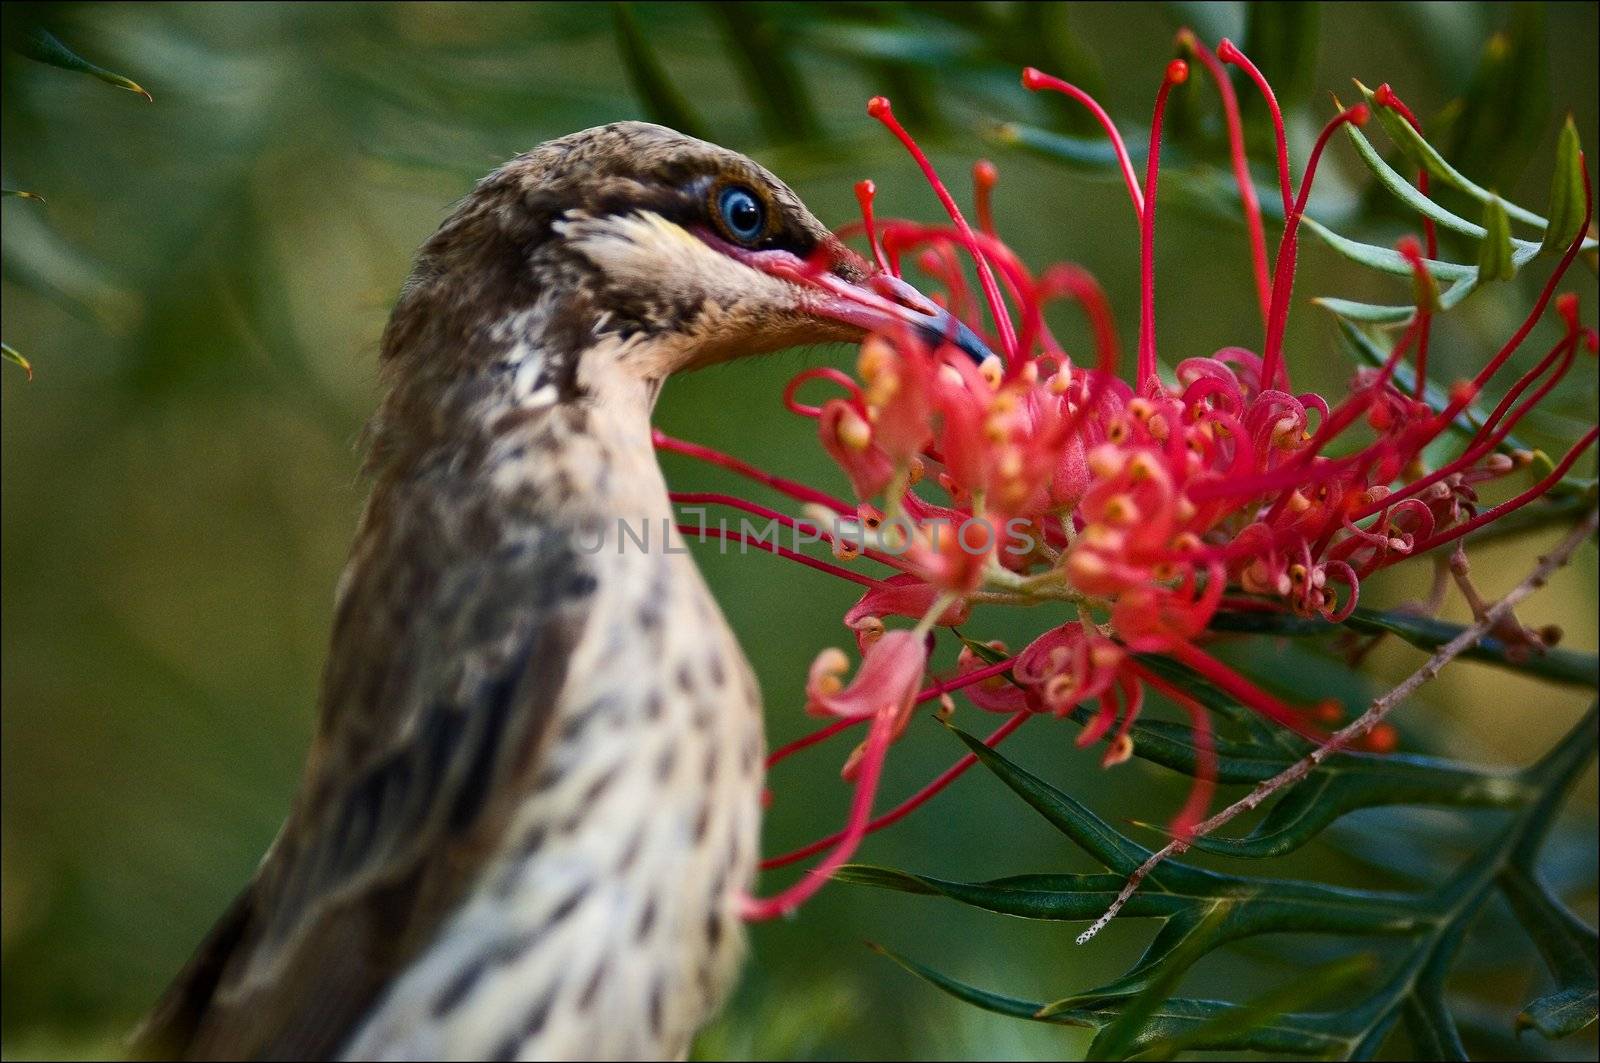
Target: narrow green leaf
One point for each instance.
(662, 101)
(1066, 898)
(1419, 151)
(1567, 945)
(1118, 1039)
(1567, 191)
(10, 354)
(1406, 192)
(1449, 299)
(45, 47)
(1306, 988)
(1002, 1005)
(1568, 667)
(1387, 259)
(1425, 155)
(1433, 1031)
(1288, 1034)
(1562, 1013)
(1304, 812)
(1495, 261)
(1090, 832)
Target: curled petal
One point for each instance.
(904, 595)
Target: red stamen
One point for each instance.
(871, 770)
(1385, 97)
(1248, 694)
(1490, 515)
(985, 175)
(1241, 167)
(1034, 80)
(865, 192)
(784, 752)
(1205, 755)
(1272, 366)
(1228, 52)
(1544, 297)
(906, 807)
(1493, 432)
(878, 107)
(798, 491)
(828, 373)
(1423, 283)
(782, 551)
(1177, 74)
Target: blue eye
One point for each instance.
(742, 213)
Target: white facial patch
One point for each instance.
(646, 251)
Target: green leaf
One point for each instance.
(42, 45)
(1495, 261)
(663, 103)
(10, 354)
(1562, 1013)
(1176, 1019)
(1567, 191)
(1118, 1038)
(1426, 156)
(1065, 898)
(1568, 667)
(1307, 987)
(1568, 947)
(1463, 279)
(1200, 910)
(1067, 815)
(1374, 782)
(1407, 193)
(1387, 259)
(1567, 187)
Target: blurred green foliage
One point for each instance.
(200, 294)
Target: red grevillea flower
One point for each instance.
(1039, 475)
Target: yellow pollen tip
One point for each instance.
(1121, 509)
(854, 432)
(992, 371)
(1105, 461)
(1118, 752)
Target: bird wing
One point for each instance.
(446, 667)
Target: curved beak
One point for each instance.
(884, 303)
(877, 302)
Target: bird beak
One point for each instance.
(887, 304)
(873, 302)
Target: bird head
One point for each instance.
(651, 249)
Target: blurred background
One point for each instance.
(201, 292)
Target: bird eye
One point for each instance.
(742, 213)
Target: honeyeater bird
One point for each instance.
(530, 808)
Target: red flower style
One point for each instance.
(1140, 503)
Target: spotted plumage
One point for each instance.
(531, 804)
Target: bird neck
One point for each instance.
(557, 433)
